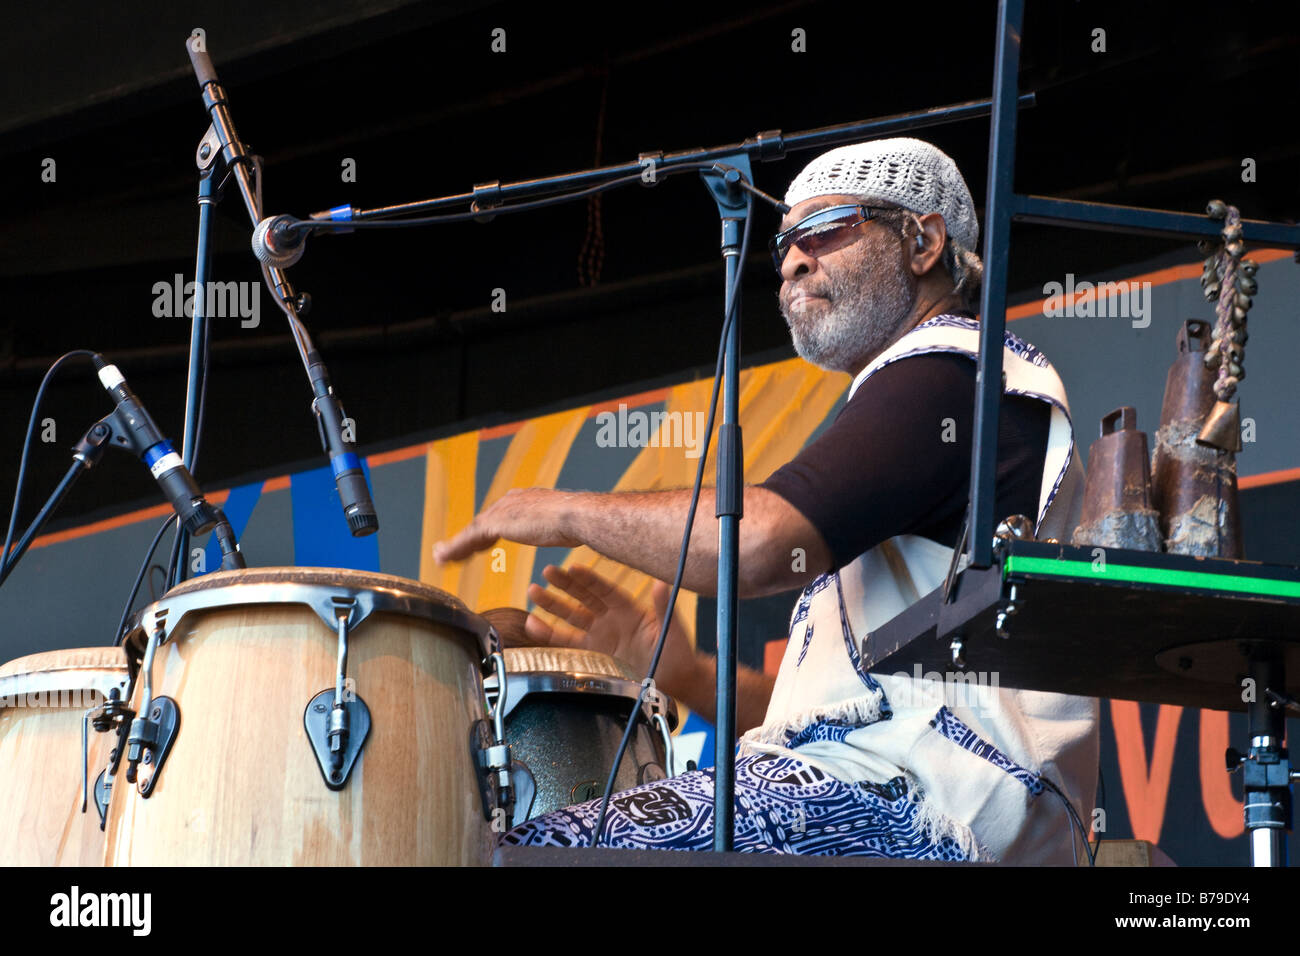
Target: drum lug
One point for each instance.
(337, 733)
(103, 790)
(151, 742)
(338, 721)
(493, 764)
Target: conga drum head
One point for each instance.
(249, 661)
(43, 701)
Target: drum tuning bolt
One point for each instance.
(498, 755)
(490, 751)
(338, 733)
(154, 730)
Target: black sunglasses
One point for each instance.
(824, 231)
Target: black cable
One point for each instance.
(1075, 821)
(690, 522)
(173, 563)
(139, 579)
(204, 365)
(27, 447)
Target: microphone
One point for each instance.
(278, 242)
(349, 478)
(136, 431)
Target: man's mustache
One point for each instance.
(802, 291)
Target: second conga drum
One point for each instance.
(565, 712)
(245, 670)
(43, 701)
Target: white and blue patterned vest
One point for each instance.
(975, 755)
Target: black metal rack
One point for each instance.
(1003, 206)
(1251, 637)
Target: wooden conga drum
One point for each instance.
(246, 659)
(43, 701)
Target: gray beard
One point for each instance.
(869, 302)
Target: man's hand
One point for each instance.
(606, 619)
(527, 515)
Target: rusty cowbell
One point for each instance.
(1222, 428)
(1117, 511)
(1194, 486)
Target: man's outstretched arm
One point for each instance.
(779, 548)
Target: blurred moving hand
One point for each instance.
(604, 617)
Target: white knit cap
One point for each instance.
(906, 172)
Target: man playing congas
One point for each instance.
(879, 279)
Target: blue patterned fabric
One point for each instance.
(807, 640)
(782, 806)
(1010, 340)
(851, 645)
(947, 724)
(804, 604)
(822, 730)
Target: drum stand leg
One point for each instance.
(1266, 768)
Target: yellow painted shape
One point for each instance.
(448, 504)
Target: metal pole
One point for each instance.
(729, 511)
(766, 146)
(1266, 789)
(999, 207)
(729, 497)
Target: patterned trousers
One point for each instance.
(782, 806)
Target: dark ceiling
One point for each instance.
(600, 296)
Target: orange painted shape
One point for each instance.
(399, 454)
(1269, 478)
(1158, 277)
(1221, 807)
(1146, 787)
(773, 651)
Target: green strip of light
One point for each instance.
(1169, 577)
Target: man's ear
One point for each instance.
(933, 235)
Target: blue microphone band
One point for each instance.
(345, 462)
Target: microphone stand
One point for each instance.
(729, 499)
(767, 146)
(85, 455)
